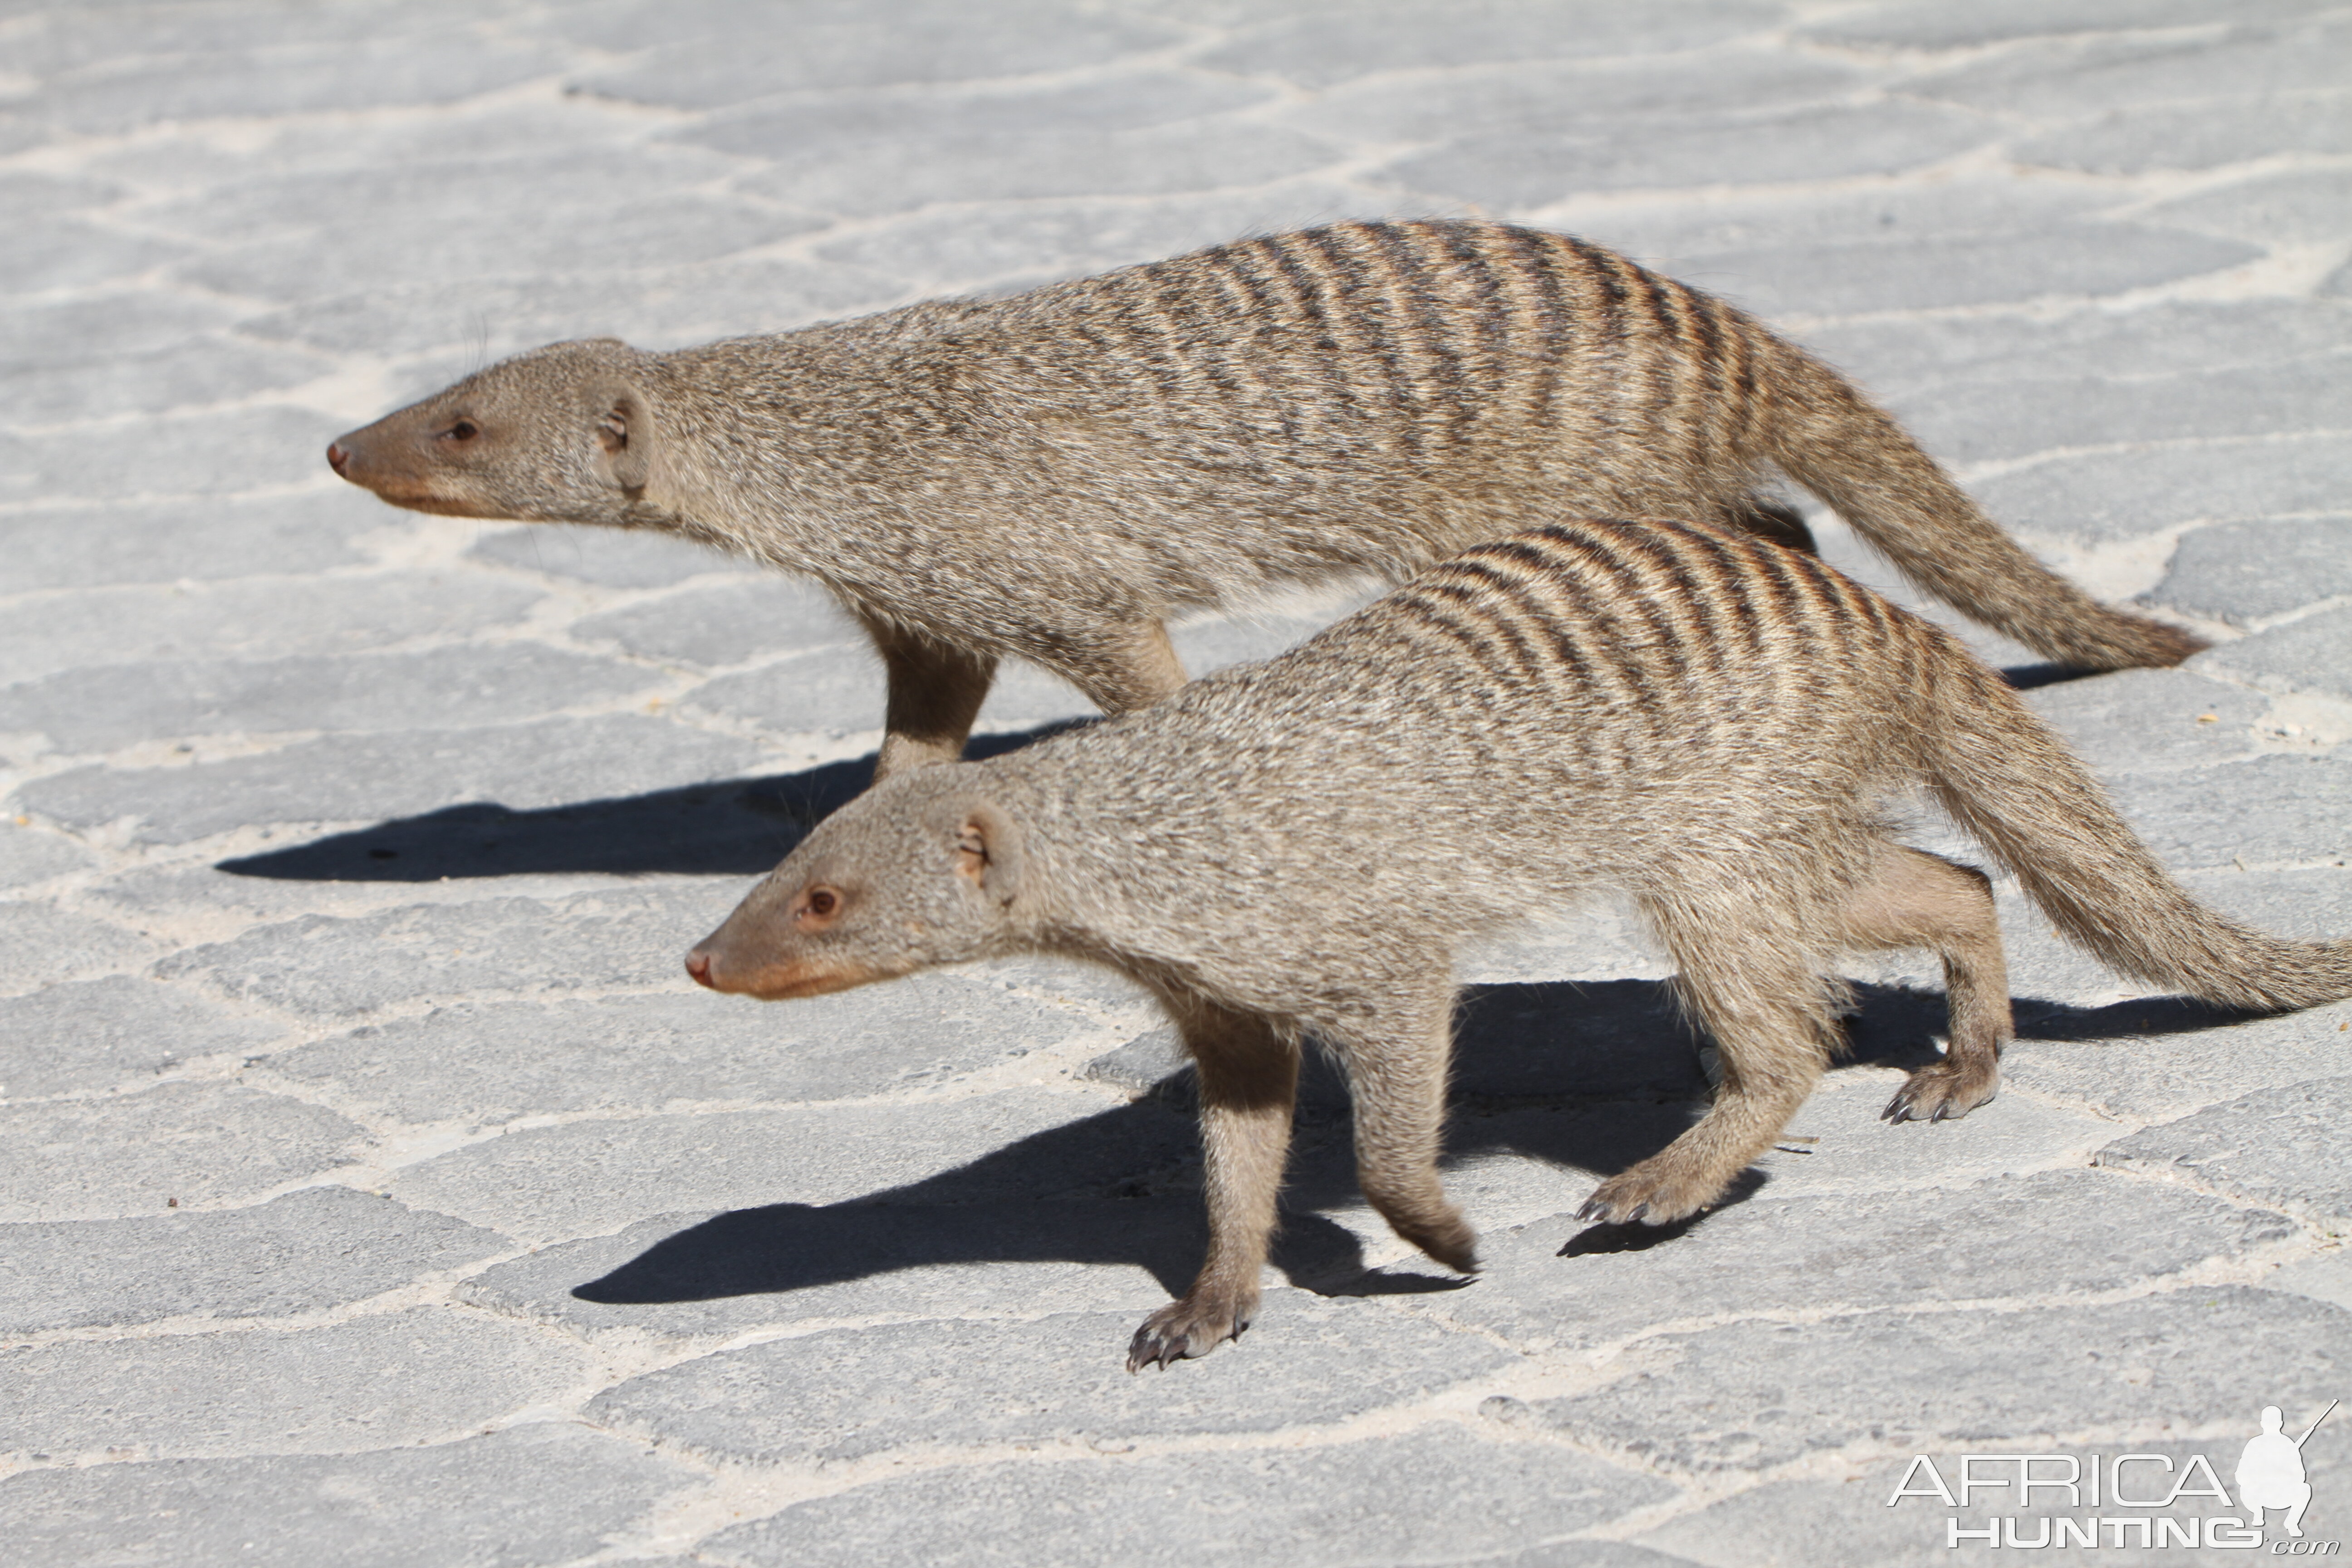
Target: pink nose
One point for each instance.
(699, 966)
(337, 456)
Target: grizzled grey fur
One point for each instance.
(1052, 476)
(1687, 715)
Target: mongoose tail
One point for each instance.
(2007, 779)
(1831, 439)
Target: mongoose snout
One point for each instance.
(830, 926)
(774, 971)
(559, 435)
(780, 980)
(776, 965)
(1702, 722)
(1053, 475)
(395, 461)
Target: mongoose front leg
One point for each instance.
(936, 692)
(1916, 900)
(1249, 1079)
(1751, 1108)
(1396, 1081)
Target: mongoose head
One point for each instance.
(926, 868)
(562, 434)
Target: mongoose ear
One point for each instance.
(988, 852)
(625, 429)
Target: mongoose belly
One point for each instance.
(1697, 719)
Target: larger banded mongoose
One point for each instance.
(1053, 475)
(1698, 719)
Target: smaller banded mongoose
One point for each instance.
(1703, 720)
(1052, 476)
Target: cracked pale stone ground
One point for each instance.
(373, 1189)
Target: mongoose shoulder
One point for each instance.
(1705, 721)
(1051, 476)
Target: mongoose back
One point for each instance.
(1051, 476)
(1705, 722)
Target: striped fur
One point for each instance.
(1704, 721)
(1051, 476)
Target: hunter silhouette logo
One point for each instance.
(2120, 1495)
(2270, 1474)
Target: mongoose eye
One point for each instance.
(822, 903)
(463, 430)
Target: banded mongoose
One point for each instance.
(1704, 720)
(1051, 477)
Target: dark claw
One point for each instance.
(1165, 1340)
(1162, 1352)
(1605, 1213)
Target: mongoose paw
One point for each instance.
(1645, 1196)
(1943, 1091)
(1454, 1245)
(1432, 1225)
(1181, 1329)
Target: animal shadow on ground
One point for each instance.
(1589, 1077)
(739, 826)
(733, 827)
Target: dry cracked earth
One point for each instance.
(375, 1188)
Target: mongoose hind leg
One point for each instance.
(1396, 1083)
(1134, 672)
(1917, 900)
(1249, 1078)
(1768, 1013)
(935, 693)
